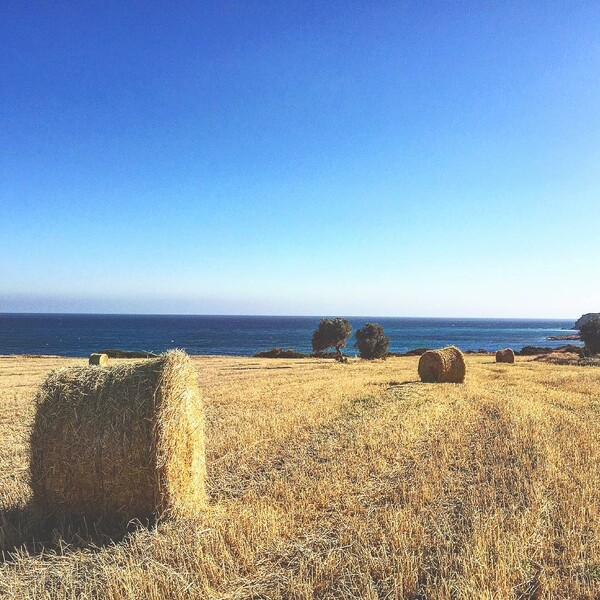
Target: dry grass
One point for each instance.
(346, 481)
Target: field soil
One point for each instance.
(332, 480)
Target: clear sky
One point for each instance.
(366, 158)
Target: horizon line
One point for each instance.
(283, 316)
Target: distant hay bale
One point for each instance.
(98, 359)
(442, 366)
(124, 441)
(505, 356)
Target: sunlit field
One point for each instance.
(345, 481)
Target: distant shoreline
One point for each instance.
(136, 355)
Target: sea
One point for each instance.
(82, 334)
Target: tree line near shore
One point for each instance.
(333, 334)
(372, 343)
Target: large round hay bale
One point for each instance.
(124, 441)
(442, 366)
(98, 359)
(505, 356)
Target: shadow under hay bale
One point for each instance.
(125, 441)
(442, 366)
(98, 359)
(22, 529)
(505, 356)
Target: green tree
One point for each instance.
(331, 333)
(590, 334)
(371, 341)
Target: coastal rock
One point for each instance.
(585, 318)
(280, 353)
(415, 352)
(535, 350)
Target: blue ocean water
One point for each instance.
(79, 335)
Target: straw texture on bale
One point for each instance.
(505, 356)
(442, 366)
(124, 441)
(98, 359)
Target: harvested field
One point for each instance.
(345, 481)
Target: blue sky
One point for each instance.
(401, 158)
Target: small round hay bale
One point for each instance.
(505, 356)
(442, 366)
(123, 441)
(98, 359)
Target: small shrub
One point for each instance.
(533, 350)
(371, 342)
